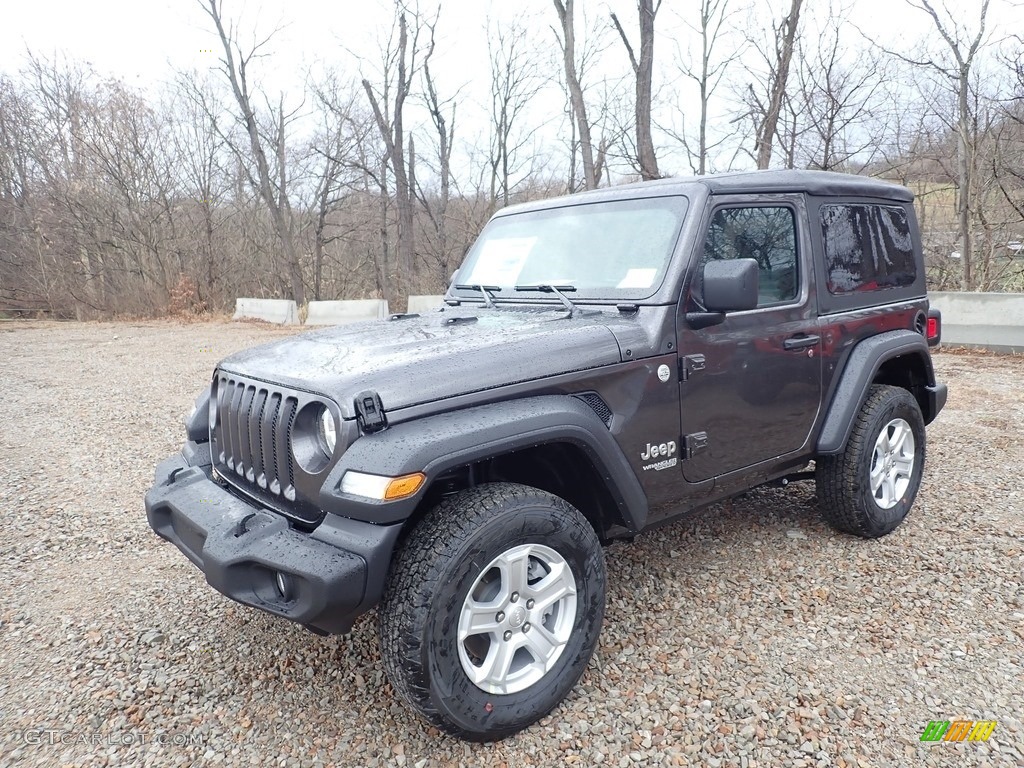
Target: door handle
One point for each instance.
(799, 342)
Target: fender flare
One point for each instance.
(435, 444)
(861, 367)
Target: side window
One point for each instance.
(867, 248)
(765, 234)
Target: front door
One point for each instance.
(752, 384)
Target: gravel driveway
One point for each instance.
(747, 635)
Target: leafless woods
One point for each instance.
(375, 177)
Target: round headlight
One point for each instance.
(328, 434)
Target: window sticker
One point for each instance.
(501, 261)
(638, 278)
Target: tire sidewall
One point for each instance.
(470, 708)
(901, 406)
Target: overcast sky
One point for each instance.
(144, 41)
(137, 39)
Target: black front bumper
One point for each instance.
(332, 574)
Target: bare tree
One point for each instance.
(27, 275)
(388, 105)
(200, 147)
(514, 84)
(1009, 169)
(836, 107)
(273, 191)
(963, 47)
(643, 70)
(567, 42)
(712, 27)
(359, 211)
(332, 149)
(765, 106)
(442, 116)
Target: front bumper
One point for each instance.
(332, 574)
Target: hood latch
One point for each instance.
(370, 412)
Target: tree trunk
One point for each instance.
(784, 41)
(964, 172)
(394, 141)
(240, 89)
(572, 82)
(702, 138)
(643, 69)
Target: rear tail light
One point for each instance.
(933, 331)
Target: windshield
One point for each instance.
(612, 250)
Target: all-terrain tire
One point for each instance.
(445, 558)
(844, 486)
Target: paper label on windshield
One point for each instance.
(501, 261)
(638, 278)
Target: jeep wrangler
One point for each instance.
(603, 363)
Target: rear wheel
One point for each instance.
(868, 489)
(493, 608)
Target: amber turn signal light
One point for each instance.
(403, 486)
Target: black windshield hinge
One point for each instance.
(370, 412)
(689, 365)
(694, 444)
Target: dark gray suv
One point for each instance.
(603, 363)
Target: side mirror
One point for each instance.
(730, 285)
(451, 280)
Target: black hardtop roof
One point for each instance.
(819, 183)
(823, 183)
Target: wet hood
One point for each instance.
(421, 359)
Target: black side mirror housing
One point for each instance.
(730, 285)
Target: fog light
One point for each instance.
(284, 585)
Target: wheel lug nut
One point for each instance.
(500, 616)
(529, 603)
(526, 627)
(508, 634)
(515, 596)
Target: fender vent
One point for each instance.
(604, 413)
(921, 324)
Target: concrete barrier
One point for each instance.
(280, 311)
(342, 312)
(992, 321)
(420, 304)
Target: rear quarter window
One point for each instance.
(867, 248)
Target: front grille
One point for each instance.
(252, 435)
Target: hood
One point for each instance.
(415, 360)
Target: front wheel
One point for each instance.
(492, 610)
(868, 489)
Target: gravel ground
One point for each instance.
(747, 635)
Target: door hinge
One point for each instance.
(695, 443)
(370, 412)
(689, 365)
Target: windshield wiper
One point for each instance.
(485, 291)
(555, 289)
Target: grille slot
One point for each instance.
(252, 437)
